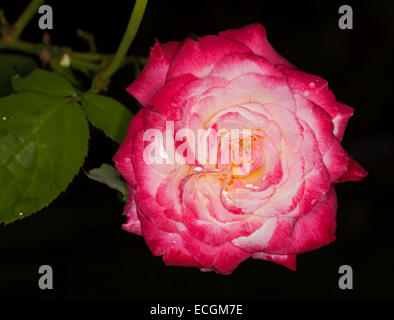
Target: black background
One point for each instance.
(80, 235)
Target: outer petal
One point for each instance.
(255, 38)
(155, 213)
(222, 259)
(162, 100)
(315, 229)
(288, 260)
(236, 64)
(311, 87)
(318, 120)
(273, 236)
(328, 133)
(336, 160)
(316, 176)
(147, 177)
(354, 171)
(132, 224)
(122, 157)
(154, 73)
(199, 57)
(341, 119)
(170, 245)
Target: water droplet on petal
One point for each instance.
(312, 85)
(197, 169)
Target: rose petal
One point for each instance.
(170, 245)
(154, 73)
(199, 57)
(289, 260)
(255, 38)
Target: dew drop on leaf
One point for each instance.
(25, 205)
(6, 116)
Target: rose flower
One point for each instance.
(280, 201)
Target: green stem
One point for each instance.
(36, 49)
(78, 63)
(3, 19)
(102, 78)
(21, 46)
(33, 48)
(24, 19)
(128, 37)
(89, 38)
(90, 56)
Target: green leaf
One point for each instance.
(12, 65)
(46, 82)
(108, 115)
(110, 176)
(43, 143)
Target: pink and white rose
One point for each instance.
(208, 216)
